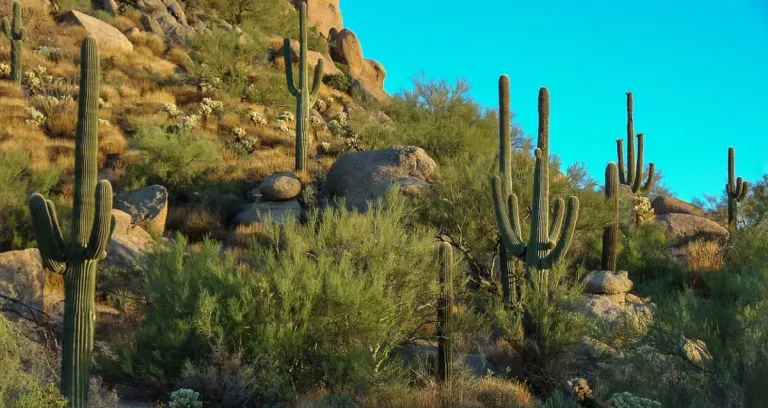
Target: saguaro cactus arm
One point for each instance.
(632, 174)
(103, 222)
(507, 217)
(288, 57)
(736, 188)
(15, 31)
(48, 233)
(566, 236)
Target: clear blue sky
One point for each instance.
(698, 69)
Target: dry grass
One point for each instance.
(150, 41)
(195, 223)
(179, 57)
(481, 393)
(124, 23)
(703, 256)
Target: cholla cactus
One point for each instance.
(320, 105)
(104, 104)
(257, 118)
(324, 147)
(580, 390)
(104, 122)
(34, 117)
(190, 121)
(342, 118)
(643, 210)
(185, 398)
(281, 126)
(286, 116)
(52, 53)
(627, 400)
(5, 71)
(171, 110)
(239, 132)
(335, 128)
(208, 87)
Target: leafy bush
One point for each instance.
(24, 382)
(174, 159)
(321, 303)
(18, 180)
(338, 81)
(644, 254)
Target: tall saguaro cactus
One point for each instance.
(736, 188)
(611, 230)
(16, 33)
(305, 96)
(548, 243)
(632, 176)
(445, 314)
(507, 262)
(92, 226)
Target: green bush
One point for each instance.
(269, 89)
(315, 304)
(24, 381)
(338, 81)
(644, 254)
(18, 180)
(174, 159)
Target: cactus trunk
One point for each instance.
(16, 33)
(632, 174)
(611, 230)
(445, 315)
(305, 96)
(547, 243)
(92, 226)
(79, 319)
(736, 189)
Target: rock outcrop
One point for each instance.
(668, 205)
(359, 177)
(128, 243)
(22, 276)
(329, 68)
(324, 15)
(280, 187)
(148, 207)
(109, 38)
(367, 75)
(684, 228)
(607, 300)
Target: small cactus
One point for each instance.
(611, 231)
(305, 96)
(16, 33)
(632, 175)
(736, 189)
(92, 227)
(445, 314)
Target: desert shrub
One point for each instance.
(172, 158)
(24, 381)
(221, 56)
(315, 304)
(730, 321)
(645, 255)
(269, 89)
(79, 5)
(338, 81)
(18, 180)
(543, 329)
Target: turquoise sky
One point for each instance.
(699, 72)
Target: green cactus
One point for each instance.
(611, 230)
(16, 33)
(92, 226)
(736, 189)
(507, 262)
(632, 176)
(305, 97)
(547, 243)
(445, 314)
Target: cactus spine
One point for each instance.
(305, 96)
(633, 174)
(16, 33)
(445, 314)
(611, 230)
(737, 189)
(92, 226)
(548, 243)
(507, 262)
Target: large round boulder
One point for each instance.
(148, 207)
(684, 228)
(280, 187)
(669, 205)
(360, 177)
(608, 283)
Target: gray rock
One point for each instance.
(366, 176)
(175, 9)
(277, 211)
(151, 25)
(128, 242)
(608, 283)
(683, 228)
(605, 310)
(148, 207)
(280, 187)
(668, 205)
(110, 6)
(22, 276)
(109, 38)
